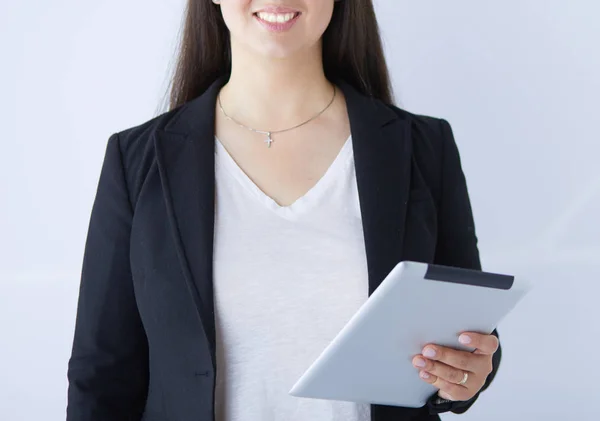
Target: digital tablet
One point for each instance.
(370, 360)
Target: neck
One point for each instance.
(275, 93)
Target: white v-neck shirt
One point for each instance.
(286, 280)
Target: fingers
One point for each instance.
(440, 370)
(462, 360)
(445, 367)
(485, 344)
(444, 395)
(447, 390)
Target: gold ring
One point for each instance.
(464, 379)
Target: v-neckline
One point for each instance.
(304, 202)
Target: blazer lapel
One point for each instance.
(185, 155)
(382, 156)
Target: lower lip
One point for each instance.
(278, 26)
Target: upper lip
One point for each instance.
(276, 9)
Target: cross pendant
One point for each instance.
(269, 140)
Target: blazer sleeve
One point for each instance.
(457, 242)
(108, 367)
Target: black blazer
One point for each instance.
(144, 342)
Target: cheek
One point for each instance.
(236, 13)
(320, 12)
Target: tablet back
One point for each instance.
(370, 360)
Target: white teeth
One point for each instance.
(276, 17)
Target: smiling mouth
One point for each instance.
(276, 18)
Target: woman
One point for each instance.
(233, 236)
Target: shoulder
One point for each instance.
(434, 148)
(136, 140)
(431, 138)
(137, 150)
(427, 132)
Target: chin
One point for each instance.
(278, 53)
(283, 49)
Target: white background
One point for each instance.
(518, 81)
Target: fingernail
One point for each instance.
(444, 395)
(420, 362)
(429, 353)
(424, 375)
(464, 339)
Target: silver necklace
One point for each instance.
(269, 134)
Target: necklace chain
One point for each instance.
(269, 133)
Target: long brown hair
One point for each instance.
(352, 51)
